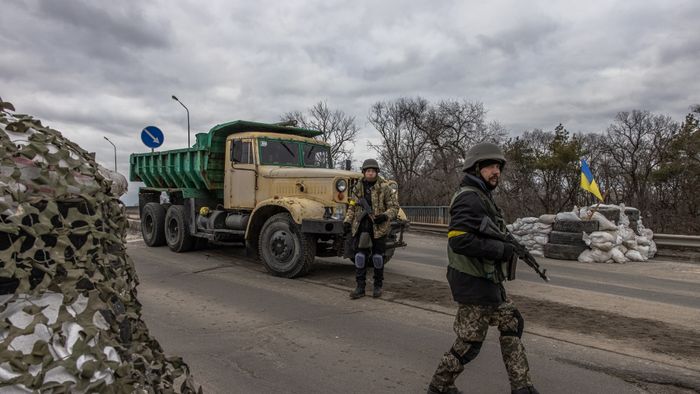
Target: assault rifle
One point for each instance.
(489, 228)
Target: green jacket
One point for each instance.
(384, 200)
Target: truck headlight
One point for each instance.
(341, 185)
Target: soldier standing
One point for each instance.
(476, 271)
(373, 205)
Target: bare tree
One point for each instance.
(403, 149)
(338, 128)
(637, 142)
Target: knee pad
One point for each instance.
(360, 260)
(521, 326)
(470, 354)
(378, 261)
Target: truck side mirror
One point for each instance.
(348, 165)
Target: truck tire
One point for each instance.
(284, 249)
(562, 238)
(563, 252)
(575, 226)
(177, 234)
(153, 224)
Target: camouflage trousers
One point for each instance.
(471, 325)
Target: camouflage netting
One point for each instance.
(69, 317)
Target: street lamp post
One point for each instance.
(188, 119)
(115, 153)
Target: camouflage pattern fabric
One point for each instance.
(471, 325)
(69, 317)
(384, 200)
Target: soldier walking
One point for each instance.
(478, 265)
(373, 205)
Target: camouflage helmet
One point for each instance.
(481, 152)
(370, 163)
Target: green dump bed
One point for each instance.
(201, 167)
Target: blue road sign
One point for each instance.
(152, 137)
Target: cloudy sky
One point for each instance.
(94, 69)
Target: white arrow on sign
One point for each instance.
(151, 135)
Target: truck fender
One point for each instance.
(298, 208)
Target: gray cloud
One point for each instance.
(108, 69)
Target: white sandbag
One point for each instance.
(647, 233)
(542, 227)
(634, 255)
(530, 220)
(541, 239)
(605, 246)
(624, 220)
(604, 236)
(603, 222)
(567, 216)
(618, 256)
(622, 248)
(631, 244)
(644, 251)
(537, 252)
(626, 233)
(509, 227)
(643, 241)
(594, 256)
(652, 250)
(547, 219)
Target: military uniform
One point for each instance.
(476, 272)
(369, 229)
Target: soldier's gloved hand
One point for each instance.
(381, 218)
(508, 251)
(347, 227)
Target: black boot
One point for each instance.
(361, 279)
(359, 292)
(378, 282)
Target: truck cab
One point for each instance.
(270, 186)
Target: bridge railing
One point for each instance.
(430, 215)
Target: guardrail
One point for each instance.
(666, 241)
(430, 215)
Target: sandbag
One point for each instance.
(567, 216)
(634, 255)
(547, 219)
(606, 246)
(594, 256)
(604, 223)
(618, 256)
(652, 250)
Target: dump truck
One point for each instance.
(270, 186)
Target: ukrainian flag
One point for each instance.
(587, 181)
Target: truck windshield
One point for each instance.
(276, 152)
(293, 153)
(318, 156)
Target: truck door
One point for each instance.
(240, 179)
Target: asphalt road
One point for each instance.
(242, 330)
(630, 280)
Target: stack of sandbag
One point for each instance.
(532, 232)
(616, 243)
(69, 317)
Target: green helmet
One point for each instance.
(370, 163)
(481, 152)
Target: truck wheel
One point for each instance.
(177, 235)
(153, 224)
(284, 249)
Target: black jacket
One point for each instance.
(466, 214)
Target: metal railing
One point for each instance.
(431, 215)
